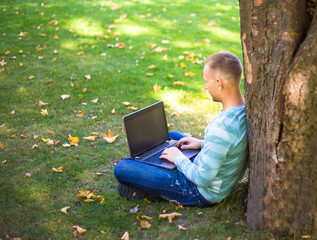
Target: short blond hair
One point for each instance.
(226, 64)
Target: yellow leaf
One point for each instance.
(90, 138)
(89, 200)
(125, 236)
(178, 83)
(151, 67)
(79, 229)
(55, 37)
(65, 96)
(132, 108)
(80, 53)
(42, 103)
(64, 209)
(60, 169)
(149, 74)
(84, 90)
(197, 44)
(110, 138)
(14, 136)
(126, 103)
(1, 145)
(31, 77)
(45, 139)
(95, 100)
(74, 140)
(170, 75)
(306, 236)
(190, 74)
(51, 132)
(146, 217)
(183, 65)
(165, 57)
(145, 224)
(44, 112)
(120, 45)
(170, 216)
(156, 87)
(83, 193)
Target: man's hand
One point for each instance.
(171, 153)
(189, 143)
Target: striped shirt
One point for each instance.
(222, 161)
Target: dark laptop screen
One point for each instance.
(146, 129)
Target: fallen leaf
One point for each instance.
(190, 74)
(156, 87)
(33, 147)
(160, 49)
(182, 228)
(14, 136)
(28, 175)
(64, 209)
(95, 100)
(51, 132)
(55, 37)
(1, 145)
(79, 229)
(178, 83)
(80, 113)
(151, 67)
(12, 112)
(149, 74)
(305, 236)
(88, 77)
(74, 140)
(113, 111)
(182, 65)
(66, 145)
(145, 224)
(31, 77)
(170, 75)
(110, 138)
(165, 57)
(65, 96)
(84, 90)
(80, 53)
(44, 112)
(170, 216)
(102, 232)
(60, 169)
(125, 236)
(50, 142)
(132, 108)
(134, 209)
(146, 217)
(126, 103)
(42, 103)
(90, 138)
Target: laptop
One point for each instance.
(147, 135)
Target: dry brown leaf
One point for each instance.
(170, 216)
(145, 224)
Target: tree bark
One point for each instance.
(279, 44)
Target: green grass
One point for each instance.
(30, 207)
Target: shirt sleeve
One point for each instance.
(209, 160)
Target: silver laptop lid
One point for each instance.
(146, 129)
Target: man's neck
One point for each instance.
(232, 99)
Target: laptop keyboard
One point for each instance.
(155, 158)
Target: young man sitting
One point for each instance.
(222, 161)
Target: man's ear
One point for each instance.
(219, 83)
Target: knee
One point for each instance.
(121, 168)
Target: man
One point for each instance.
(222, 161)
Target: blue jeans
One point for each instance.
(171, 185)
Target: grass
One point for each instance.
(83, 34)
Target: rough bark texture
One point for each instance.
(280, 65)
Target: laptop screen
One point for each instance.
(146, 129)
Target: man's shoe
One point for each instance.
(134, 193)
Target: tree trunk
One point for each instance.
(279, 43)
